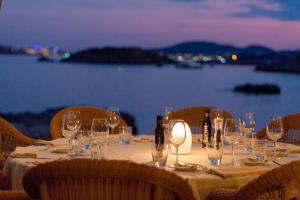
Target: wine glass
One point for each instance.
(85, 139)
(176, 134)
(247, 123)
(275, 130)
(168, 115)
(99, 132)
(113, 117)
(70, 124)
(232, 134)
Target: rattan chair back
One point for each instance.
(104, 179)
(10, 137)
(87, 113)
(290, 123)
(281, 183)
(194, 116)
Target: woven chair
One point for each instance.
(87, 113)
(104, 179)
(10, 137)
(290, 122)
(278, 184)
(194, 116)
(14, 195)
(5, 182)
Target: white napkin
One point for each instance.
(226, 172)
(25, 152)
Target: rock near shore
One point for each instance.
(258, 88)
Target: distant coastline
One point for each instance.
(188, 55)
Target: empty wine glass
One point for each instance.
(275, 130)
(247, 123)
(99, 132)
(168, 115)
(176, 134)
(113, 117)
(85, 139)
(232, 134)
(70, 124)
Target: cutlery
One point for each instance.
(45, 149)
(277, 163)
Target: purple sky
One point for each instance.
(76, 24)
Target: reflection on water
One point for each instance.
(143, 91)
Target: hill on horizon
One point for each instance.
(212, 48)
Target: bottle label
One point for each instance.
(205, 134)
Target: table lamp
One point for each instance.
(184, 148)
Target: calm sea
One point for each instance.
(143, 91)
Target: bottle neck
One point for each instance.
(206, 117)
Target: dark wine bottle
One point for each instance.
(159, 132)
(206, 129)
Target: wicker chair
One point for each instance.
(103, 179)
(290, 122)
(87, 113)
(280, 183)
(194, 116)
(14, 195)
(11, 137)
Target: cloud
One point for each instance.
(287, 10)
(187, 1)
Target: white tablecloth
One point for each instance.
(201, 182)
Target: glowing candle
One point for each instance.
(178, 132)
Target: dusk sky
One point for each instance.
(76, 24)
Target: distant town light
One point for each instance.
(38, 47)
(234, 57)
(67, 55)
(223, 60)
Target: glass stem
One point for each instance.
(70, 145)
(176, 162)
(232, 154)
(274, 155)
(98, 151)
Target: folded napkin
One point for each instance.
(25, 152)
(43, 142)
(59, 142)
(227, 172)
(277, 154)
(61, 151)
(294, 150)
(142, 139)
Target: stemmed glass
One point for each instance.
(247, 123)
(99, 132)
(70, 124)
(113, 117)
(232, 134)
(176, 134)
(168, 115)
(85, 139)
(275, 130)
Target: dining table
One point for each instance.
(203, 178)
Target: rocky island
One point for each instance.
(258, 88)
(109, 55)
